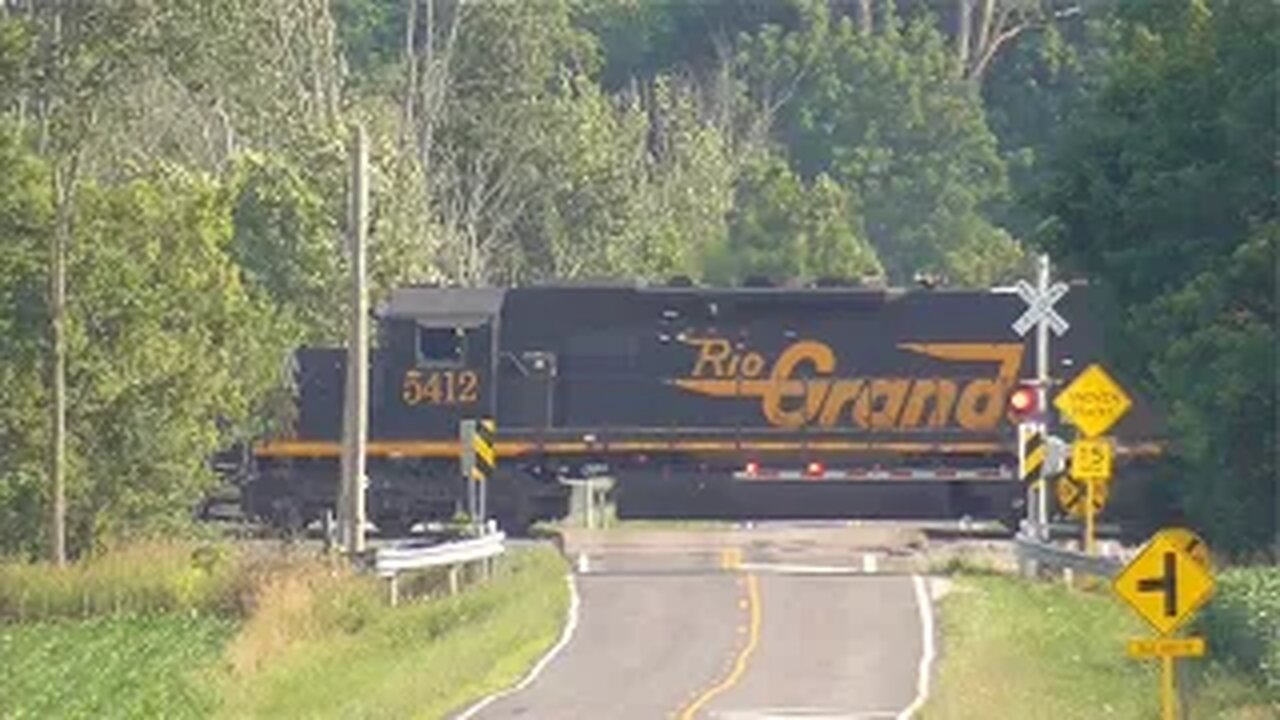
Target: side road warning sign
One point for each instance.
(1164, 583)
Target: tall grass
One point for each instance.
(186, 630)
(147, 577)
(1012, 649)
(309, 651)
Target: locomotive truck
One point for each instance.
(743, 402)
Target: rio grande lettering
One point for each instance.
(790, 399)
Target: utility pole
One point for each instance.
(356, 402)
(1042, 394)
(58, 321)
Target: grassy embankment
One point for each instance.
(1012, 649)
(150, 632)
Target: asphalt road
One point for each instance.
(701, 628)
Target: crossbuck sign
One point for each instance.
(1040, 304)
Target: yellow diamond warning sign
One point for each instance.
(1093, 401)
(1164, 583)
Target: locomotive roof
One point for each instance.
(461, 305)
(473, 305)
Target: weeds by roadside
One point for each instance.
(147, 577)
(1014, 649)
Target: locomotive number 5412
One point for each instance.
(444, 387)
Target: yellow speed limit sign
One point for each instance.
(1091, 459)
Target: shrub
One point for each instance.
(1242, 623)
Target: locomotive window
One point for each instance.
(440, 346)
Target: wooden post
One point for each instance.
(356, 405)
(57, 322)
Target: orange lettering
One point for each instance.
(843, 392)
(941, 392)
(781, 385)
(880, 405)
(713, 353)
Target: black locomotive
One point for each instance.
(751, 402)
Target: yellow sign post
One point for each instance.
(1166, 584)
(1091, 463)
(1093, 402)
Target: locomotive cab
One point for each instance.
(439, 359)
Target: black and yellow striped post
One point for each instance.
(479, 459)
(1032, 451)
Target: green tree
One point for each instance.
(886, 116)
(1165, 190)
(171, 351)
(25, 222)
(786, 231)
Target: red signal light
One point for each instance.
(1023, 402)
(752, 468)
(815, 469)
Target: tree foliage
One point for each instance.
(1165, 190)
(195, 152)
(885, 116)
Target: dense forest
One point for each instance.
(184, 162)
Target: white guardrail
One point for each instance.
(392, 560)
(1032, 553)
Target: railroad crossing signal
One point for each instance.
(1164, 583)
(1074, 495)
(1040, 308)
(1093, 402)
(1091, 460)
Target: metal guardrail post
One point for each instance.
(389, 562)
(1033, 553)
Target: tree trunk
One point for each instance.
(63, 177)
(964, 28)
(984, 22)
(866, 23)
(411, 84)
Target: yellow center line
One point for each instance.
(730, 558)
(739, 665)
